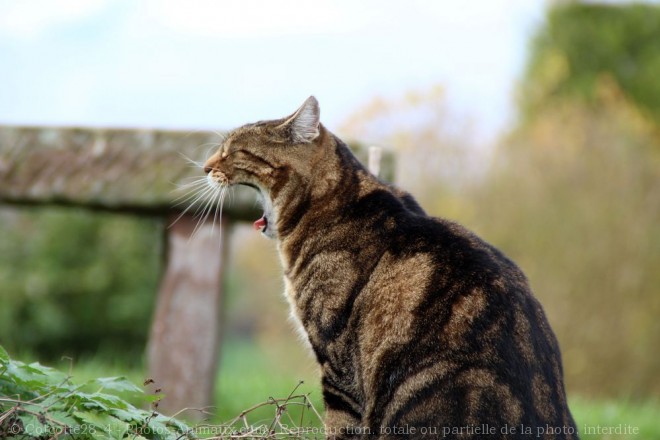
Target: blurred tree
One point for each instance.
(582, 42)
(73, 282)
(578, 182)
(576, 198)
(436, 158)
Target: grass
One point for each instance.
(628, 416)
(248, 375)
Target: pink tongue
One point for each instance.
(260, 224)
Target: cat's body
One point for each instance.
(420, 328)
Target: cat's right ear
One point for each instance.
(302, 127)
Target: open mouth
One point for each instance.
(261, 224)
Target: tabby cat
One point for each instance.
(420, 327)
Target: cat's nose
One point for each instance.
(210, 163)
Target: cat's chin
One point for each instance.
(269, 232)
(263, 225)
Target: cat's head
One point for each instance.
(267, 156)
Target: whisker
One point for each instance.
(203, 217)
(208, 151)
(187, 180)
(193, 203)
(230, 192)
(205, 212)
(191, 161)
(206, 200)
(218, 209)
(206, 144)
(223, 136)
(188, 196)
(210, 194)
(192, 188)
(199, 182)
(221, 203)
(195, 181)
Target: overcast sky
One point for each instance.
(218, 64)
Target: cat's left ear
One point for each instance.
(303, 125)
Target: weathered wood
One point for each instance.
(375, 157)
(185, 333)
(121, 170)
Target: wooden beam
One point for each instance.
(138, 171)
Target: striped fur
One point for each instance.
(416, 322)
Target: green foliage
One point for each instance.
(639, 417)
(249, 372)
(576, 186)
(41, 402)
(73, 282)
(581, 43)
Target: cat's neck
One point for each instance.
(318, 209)
(337, 179)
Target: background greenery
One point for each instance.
(75, 283)
(249, 375)
(572, 194)
(581, 43)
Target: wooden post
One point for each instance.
(375, 155)
(185, 334)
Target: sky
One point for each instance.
(206, 64)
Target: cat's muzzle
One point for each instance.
(218, 177)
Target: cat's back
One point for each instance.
(451, 335)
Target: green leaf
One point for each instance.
(103, 423)
(97, 415)
(34, 427)
(110, 401)
(128, 415)
(4, 356)
(117, 428)
(150, 398)
(98, 420)
(89, 401)
(33, 375)
(158, 426)
(57, 399)
(178, 425)
(119, 384)
(22, 374)
(63, 418)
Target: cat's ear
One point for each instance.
(303, 125)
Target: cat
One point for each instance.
(420, 328)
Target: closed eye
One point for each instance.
(255, 158)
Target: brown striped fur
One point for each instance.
(416, 322)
